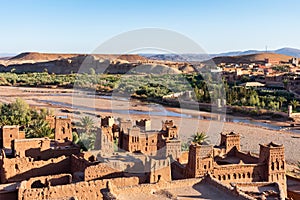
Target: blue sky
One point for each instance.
(80, 26)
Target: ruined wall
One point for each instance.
(47, 181)
(23, 146)
(227, 189)
(81, 190)
(39, 149)
(101, 170)
(19, 169)
(79, 164)
(149, 188)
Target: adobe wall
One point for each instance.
(52, 153)
(177, 170)
(20, 147)
(149, 188)
(47, 181)
(183, 159)
(63, 129)
(62, 126)
(79, 164)
(9, 133)
(39, 149)
(239, 173)
(247, 157)
(148, 144)
(19, 169)
(173, 148)
(101, 170)
(81, 190)
(160, 170)
(280, 190)
(51, 121)
(104, 140)
(227, 189)
(293, 187)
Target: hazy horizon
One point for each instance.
(3, 54)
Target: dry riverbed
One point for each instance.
(60, 100)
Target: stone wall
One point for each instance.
(19, 169)
(81, 190)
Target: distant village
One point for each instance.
(269, 72)
(131, 159)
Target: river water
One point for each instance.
(159, 110)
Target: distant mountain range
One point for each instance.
(201, 57)
(4, 56)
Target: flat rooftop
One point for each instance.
(201, 191)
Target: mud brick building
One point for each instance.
(62, 126)
(140, 138)
(227, 163)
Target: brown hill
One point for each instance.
(41, 56)
(132, 58)
(258, 57)
(35, 56)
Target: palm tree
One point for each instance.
(87, 123)
(281, 100)
(199, 138)
(294, 103)
(38, 129)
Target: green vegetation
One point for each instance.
(31, 120)
(199, 138)
(185, 146)
(294, 103)
(206, 87)
(87, 137)
(281, 68)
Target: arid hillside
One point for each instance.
(40, 56)
(258, 57)
(101, 63)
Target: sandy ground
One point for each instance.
(88, 104)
